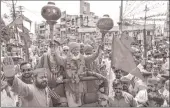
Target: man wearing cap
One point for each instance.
(34, 95)
(74, 66)
(119, 97)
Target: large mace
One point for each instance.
(105, 24)
(51, 13)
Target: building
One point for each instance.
(42, 31)
(166, 25)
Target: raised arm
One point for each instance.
(20, 87)
(59, 60)
(40, 62)
(89, 59)
(17, 85)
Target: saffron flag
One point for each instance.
(122, 58)
(127, 40)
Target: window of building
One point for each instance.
(42, 26)
(148, 33)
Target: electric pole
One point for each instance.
(121, 18)
(144, 34)
(153, 36)
(13, 8)
(25, 41)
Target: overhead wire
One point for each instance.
(130, 5)
(136, 7)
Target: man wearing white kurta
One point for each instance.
(34, 95)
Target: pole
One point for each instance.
(13, 7)
(152, 37)
(144, 32)
(121, 18)
(133, 26)
(25, 41)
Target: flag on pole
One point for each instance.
(127, 40)
(122, 58)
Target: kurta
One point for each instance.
(74, 91)
(32, 96)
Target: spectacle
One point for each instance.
(24, 70)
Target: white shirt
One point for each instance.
(142, 96)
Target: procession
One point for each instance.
(84, 60)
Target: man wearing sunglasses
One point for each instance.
(119, 97)
(65, 51)
(26, 74)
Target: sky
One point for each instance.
(32, 9)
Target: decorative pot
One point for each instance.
(105, 23)
(51, 12)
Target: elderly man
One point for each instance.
(121, 98)
(36, 94)
(65, 51)
(74, 65)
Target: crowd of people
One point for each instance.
(79, 75)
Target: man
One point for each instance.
(65, 51)
(155, 72)
(166, 93)
(74, 65)
(26, 77)
(36, 94)
(154, 100)
(26, 74)
(53, 70)
(152, 87)
(121, 98)
(92, 86)
(126, 83)
(118, 73)
(82, 48)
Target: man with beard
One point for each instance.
(34, 95)
(152, 87)
(26, 74)
(65, 51)
(119, 97)
(74, 66)
(54, 70)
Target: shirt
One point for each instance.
(142, 96)
(32, 96)
(126, 101)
